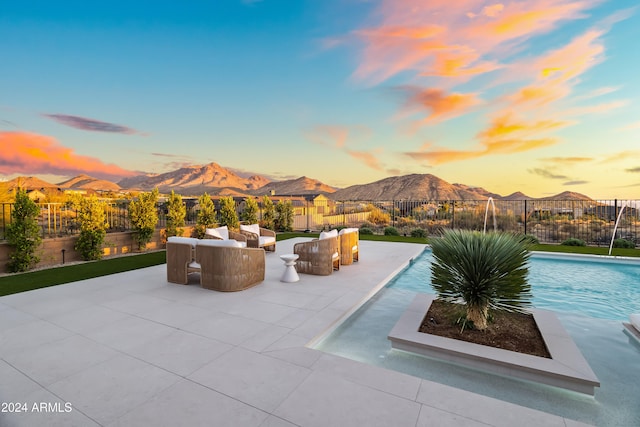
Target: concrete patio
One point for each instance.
(133, 350)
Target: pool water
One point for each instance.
(590, 297)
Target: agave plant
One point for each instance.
(485, 271)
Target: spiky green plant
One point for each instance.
(485, 271)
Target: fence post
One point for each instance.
(453, 214)
(525, 216)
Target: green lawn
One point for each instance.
(55, 276)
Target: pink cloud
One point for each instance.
(31, 153)
(506, 135)
(438, 103)
(452, 39)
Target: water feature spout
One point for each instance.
(615, 227)
(486, 213)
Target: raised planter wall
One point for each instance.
(115, 244)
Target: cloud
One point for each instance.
(633, 170)
(367, 158)
(575, 182)
(547, 174)
(631, 126)
(623, 155)
(30, 153)
(506, 135)
(567, 160)
(90, 124)
(438, 103)
(336, 137)
(453, 39)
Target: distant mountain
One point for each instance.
(516, 196)
(567, 195)
(195, 180)
(411, 187)
(302, 185)
(472, 193)
(85, 182)
(29, 183)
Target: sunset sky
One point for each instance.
(538, 96)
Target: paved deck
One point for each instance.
(133, 350)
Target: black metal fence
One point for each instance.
(550, 221)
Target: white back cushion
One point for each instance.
(213, 232)
(328, 234)
(347, 230)
(253, 228)
(179, 239)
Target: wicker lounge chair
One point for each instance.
(318, 256)
(181, 259)
(258, 237)
(226, 267)
(349, 245)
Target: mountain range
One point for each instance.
(218, 180)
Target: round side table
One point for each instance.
(290, 274)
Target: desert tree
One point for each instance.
(206, 215)
(91, 217)
(228, 214)
(23, 233)
(176, 213)
(268, 214)
(143, 213)
(250, 212)
(284, 216)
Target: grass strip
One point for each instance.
(71, 273)
(589, 250)
(372, 237)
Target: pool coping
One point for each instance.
(566, 369)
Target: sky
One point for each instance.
(538, 96)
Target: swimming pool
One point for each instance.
(590, 297)
(562, 283)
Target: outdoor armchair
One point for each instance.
(226, 267)
(318, 256)
(181, 259)
(258, 237)
(349, 245)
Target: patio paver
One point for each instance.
(133, 350)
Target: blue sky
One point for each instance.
(538, 96)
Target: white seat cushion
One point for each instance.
(354, 249)
(328, 234)
(266, 240)
(253, 228)
(194, 264)
(179, 239)
(635, 321)
(335, 255)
